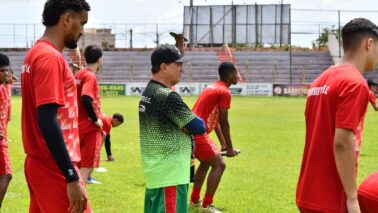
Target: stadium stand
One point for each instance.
(255, 66)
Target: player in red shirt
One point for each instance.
(5, 166)
(108, 124)
(90, 116)
(358, 138)
(368, 190)
(372, 88)
(368, 194)
(49, 112)
(212, 106)
(336, 105)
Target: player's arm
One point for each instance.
(220, 136)
(225, 129)
(375, 106)
(107, 145)
(52, 133)
(195, 127)
(88, 106)
(345, 158)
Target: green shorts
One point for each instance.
(170, 199)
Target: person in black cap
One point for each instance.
(166, 124)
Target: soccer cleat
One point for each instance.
(195, 205)
(209, 209)
(101, 169)
(91, 180)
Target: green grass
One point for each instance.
(269, 131)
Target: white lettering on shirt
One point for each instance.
(25, 68)
(146, 99)
(318, 90)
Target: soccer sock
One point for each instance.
(195, 195)
(207, 200)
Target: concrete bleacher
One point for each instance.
(136, 67)
(274, 66)
(255, 66)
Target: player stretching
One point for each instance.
(336, 106)
(212, 106)
(50, 131)
(109, 123)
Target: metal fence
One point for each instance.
(306, 26)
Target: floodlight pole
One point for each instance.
(191, 40)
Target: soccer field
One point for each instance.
(269, 130)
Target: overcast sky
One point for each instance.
(169, 13)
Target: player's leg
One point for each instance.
(47, 186)
(4, 183)
(5, 172)
(90, 147)
(218, 166)
(182, 198)
(86, 173)
(209, 156)
(201, 172)
(199, 179)
(170, 199)
(154, 201)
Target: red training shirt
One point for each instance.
(372, 99)
(107, 124)
(213, 97)
(86, 82)
(46, 78)
(338, 98)
(3, 114)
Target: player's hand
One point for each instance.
(231, 152)
(99, 123)
(353, 206)
(77, 197)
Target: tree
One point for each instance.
(322, 40)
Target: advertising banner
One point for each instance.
(290, 90)
(112, 89)
(259, 89)
(135, 88)
(188, 89)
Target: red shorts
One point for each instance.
(204, 147)
(47, 186)
(5, 165)
(367, 205)
(90, 148)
